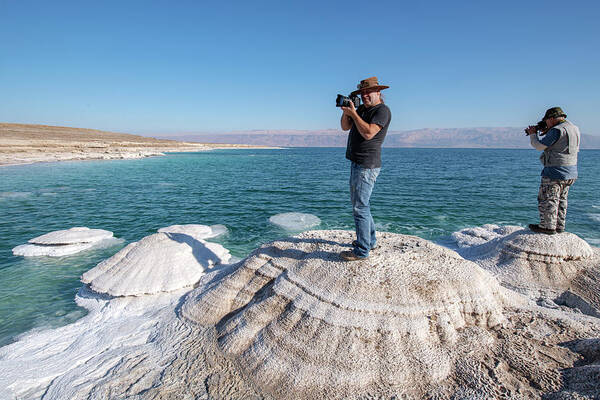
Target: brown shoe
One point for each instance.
(350, 256)
(539, 229)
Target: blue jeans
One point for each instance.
(362, 181)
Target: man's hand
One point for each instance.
(531, 130)
(350, 110)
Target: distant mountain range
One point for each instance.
(510, 138)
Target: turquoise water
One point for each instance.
(426, 192)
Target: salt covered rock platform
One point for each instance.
(555, 270)
(293, 321)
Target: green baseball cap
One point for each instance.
(554, 112)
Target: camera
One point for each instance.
(345, 101)
(540, 127)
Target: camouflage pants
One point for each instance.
(552, 202)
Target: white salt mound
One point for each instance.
(196, 230)
(531, 263)
(294, 221)
(162, 262)
(34, 250)
(72, 236)
(296, 317)
(65, 242)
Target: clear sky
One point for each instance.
(173, 66)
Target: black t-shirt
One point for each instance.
(367, 153)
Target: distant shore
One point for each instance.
(28, 144)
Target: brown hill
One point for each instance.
(26, 143)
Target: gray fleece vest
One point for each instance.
(564, 151)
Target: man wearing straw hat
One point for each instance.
(368, 126)
(560, 145)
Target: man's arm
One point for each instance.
(536, 143)
(366, 130)
(346, 122)
(549, 139)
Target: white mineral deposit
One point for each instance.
(65, 242)
(293, 321)
(197, 231)
(161, 262)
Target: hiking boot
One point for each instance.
(355, 244)
(560, 230)
(350, 256)
(539, 229)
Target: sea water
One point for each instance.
(425, 192)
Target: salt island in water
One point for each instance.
(505, 313)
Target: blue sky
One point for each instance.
(162, 67)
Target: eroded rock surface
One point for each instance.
(293, 314)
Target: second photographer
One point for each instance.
(560, 144)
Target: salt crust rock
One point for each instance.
(72, 236)
(196, 230)
(470, 237)
(294, 221)
(525, 260)
(293, 315)
(161, 262)
(137, 347)
(65, 242)
(35, 250)
(125, 347)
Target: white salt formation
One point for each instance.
(526, 261)
(34, 250)
(294, 221)
(554, 270)
(292, 321)
(72, 236)
(196, 230)
(471, 237)
(297, 318)
(161, 262)
(64, 242)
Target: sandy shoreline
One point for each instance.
(26, 144)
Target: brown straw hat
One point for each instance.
(369, 83)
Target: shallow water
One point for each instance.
(425, 192)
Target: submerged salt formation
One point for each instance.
(296, 317)
(63, 242)
(161, 262)
(295, 221)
